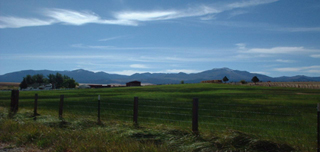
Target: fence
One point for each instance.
(305, 85)
(293, 124)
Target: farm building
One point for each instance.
(133, 83)
(212, 81)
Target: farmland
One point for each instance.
(231, 117)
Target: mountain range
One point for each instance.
(85, 76)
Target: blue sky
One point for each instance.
(272, 37)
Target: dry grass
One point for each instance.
(9, 85)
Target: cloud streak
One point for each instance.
(17, 22)
(138, 66)
(275, 50)
(300, 29)
(128, 18)
(308, 69)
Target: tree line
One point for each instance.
(57, 80)
(254, 79)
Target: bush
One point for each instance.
(243, 82)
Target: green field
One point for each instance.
(231, 117)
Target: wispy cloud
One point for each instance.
(17, 22)
(315, 55)
(242, 4)
(106, 47)
(300, 29)
(277, 50)
(145, 16)
(308, 69)
(128, 72)
(139, 66)
(237, 13)
(284, 61)
(241, 46)
(111, 38)
(130, 18)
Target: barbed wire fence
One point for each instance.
(292, 124)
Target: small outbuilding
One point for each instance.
(133, 83)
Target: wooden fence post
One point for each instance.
(14, 102)
(135, 111)
(35, 111)
(99, 120)
(195, 116)
(318, 125)
(61, 106)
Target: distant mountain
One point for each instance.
(85, 76)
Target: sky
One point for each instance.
(271, 37)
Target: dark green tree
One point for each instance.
(52, 80)
(38, 78)
(69, 83)
(225, 79)
(23, 84)
(59, 80)
(66, 77)
(29, 79)
(255, 79)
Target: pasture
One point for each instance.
(231, 117)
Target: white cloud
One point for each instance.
(284, 61)
(250, 3)
(241, 46)
(72, 17)
(315, 55)
(111, 38)
(145, 16)
(106, 47)
(314, 71)
(301, 29)
(237, 13)
(138, 66)
(16, 22)
(278, 50)
(309, 69)
(131, 18)
(128, 72)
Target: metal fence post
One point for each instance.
(99, 120)
(61, 106)
(195, 116)
(135, 111)
(318, 125)
(14, 102)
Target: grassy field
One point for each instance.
(231, 117)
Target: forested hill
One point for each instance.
(85, 76)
